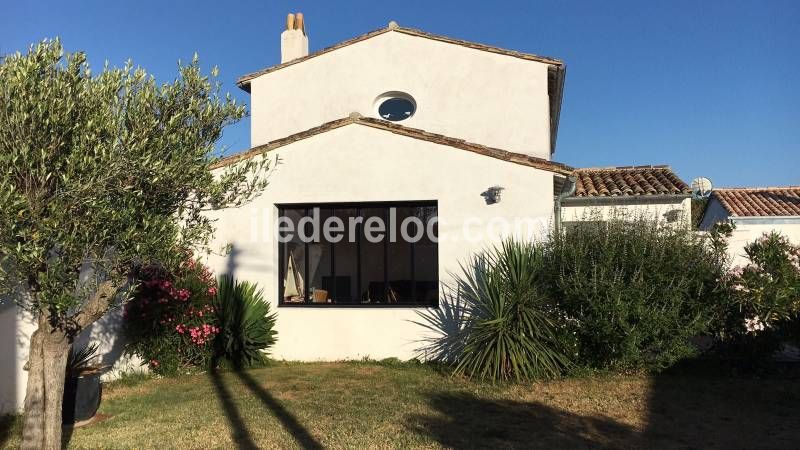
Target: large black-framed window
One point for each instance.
(361, 264)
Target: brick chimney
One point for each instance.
(294, 42)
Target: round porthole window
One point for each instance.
(395, 106)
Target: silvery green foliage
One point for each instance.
(102, 173)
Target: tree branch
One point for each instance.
(95, 307)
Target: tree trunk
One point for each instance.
(47, 365)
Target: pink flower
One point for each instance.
(212, 291)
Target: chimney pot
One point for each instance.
(294, 42)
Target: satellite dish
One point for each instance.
(701, 187)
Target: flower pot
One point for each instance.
(320, 296)
(82, 395)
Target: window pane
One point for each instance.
(319, 259)
(372, 289)
(344, 287)
(293, 265)
(401, 279)
(378, 266)
(426, 258)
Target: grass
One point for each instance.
(392, 405)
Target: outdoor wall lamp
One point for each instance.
(492, 195)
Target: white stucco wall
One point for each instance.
(16, 328)
(748, 229)
(469, 94)
(633, 207)
(360, 164)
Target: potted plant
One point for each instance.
(82, 386)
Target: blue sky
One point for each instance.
(711, 88)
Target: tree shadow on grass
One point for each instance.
(288, 420)
(463, 420)
(690, 406)
(702, 404)
(239, 432)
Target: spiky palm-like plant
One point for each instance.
(247, 326)
(511, 330)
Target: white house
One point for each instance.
(628, 192)
(394, 122)
(754, 211)
(445, 143)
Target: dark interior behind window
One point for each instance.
(357, 272)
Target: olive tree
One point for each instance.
(101, 174)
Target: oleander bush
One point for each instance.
(636, 291)
(171, 322)
(183, 318)
(764, 310)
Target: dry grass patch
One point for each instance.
(373, 405)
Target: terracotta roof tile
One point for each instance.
(517, 158)
(637, 180)
(748, 202)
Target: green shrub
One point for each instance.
(636, 290)
(765, 306)
(246, 323)
(511, 330)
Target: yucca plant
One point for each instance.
(78, 358)
(246, 323)
(511, 330)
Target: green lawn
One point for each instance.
(373, 405)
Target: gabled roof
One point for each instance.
(629, 181)
(357, 119)
(244, 81)
(555, 75)
(760, 202)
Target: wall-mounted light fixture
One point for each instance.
(492, 195)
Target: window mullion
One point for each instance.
(332, 294)
(305, 264)
(413, 249)
(359, 229)
(386, 256)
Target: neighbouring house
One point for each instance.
(627, 192)
(754, 211)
